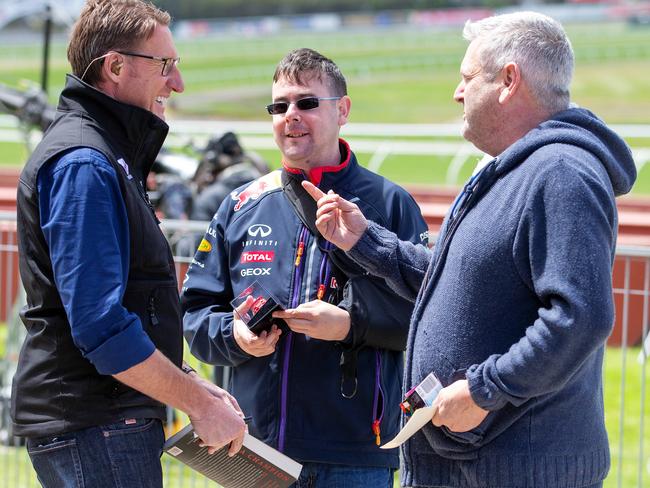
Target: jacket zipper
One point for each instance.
(145, 196)
(152, 311)
(295, 300)
(458, 211)
(379, 392)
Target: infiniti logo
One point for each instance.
(260, 230)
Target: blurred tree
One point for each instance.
(197, 9)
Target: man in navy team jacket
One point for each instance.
(322, 389)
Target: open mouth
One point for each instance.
(295, 135)
(161, 101)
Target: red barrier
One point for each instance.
(629, 276)
(631, 281)
(8, 268)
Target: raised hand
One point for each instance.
(317, 319)
(255, 345)
(338, 220)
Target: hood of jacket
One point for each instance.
(581, 128)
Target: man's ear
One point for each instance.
(511, 81)
(344, 105)
(112, 67)
(116, 67)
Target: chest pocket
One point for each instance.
(150, 251)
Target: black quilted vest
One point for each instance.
(55, 388)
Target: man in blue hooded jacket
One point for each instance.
(515, 300)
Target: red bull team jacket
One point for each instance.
(315, 400)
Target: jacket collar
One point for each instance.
(134, 133)
(326, 177)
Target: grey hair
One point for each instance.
(539, 46)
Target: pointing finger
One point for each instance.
(313, 190)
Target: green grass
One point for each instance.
(12, 154)
(3, 339)
(394, 76)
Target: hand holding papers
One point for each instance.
(415, 423)
(418, 403)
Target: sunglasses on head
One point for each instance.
(308, 103)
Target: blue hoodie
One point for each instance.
(516, 297)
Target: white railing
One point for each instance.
(377, 140)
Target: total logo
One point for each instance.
(257, 257)
(259, 230)
(256, 272)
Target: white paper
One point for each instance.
(418, 420)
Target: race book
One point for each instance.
(256, 465)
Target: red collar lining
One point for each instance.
(316, 174)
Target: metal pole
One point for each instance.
(46, 46)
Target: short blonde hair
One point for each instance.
(106, 25)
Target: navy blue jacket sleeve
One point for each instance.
(564, 249)
(84, 221)
(207, 315)
(379, 317)
(400, 262)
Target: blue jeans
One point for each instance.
(318, 475)
(122, 455)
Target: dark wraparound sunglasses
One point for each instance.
(167, 63)
(309, 103)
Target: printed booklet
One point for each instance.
(256, 465)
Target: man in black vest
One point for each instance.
(103, 350)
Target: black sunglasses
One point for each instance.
(302, 104)
(167, 63)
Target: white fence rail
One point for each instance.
(378, 140)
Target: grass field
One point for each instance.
(394, 76)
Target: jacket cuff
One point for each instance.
(237, 354)
(483, 390)
(122, 351)
(371, 243)
(351, 339)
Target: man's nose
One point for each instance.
(459, 93)
(293, 112)
(175, 80)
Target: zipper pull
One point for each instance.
(152, 311)
(301, 250)
(321, 292)
(376, 429)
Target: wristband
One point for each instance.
(187, 369)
